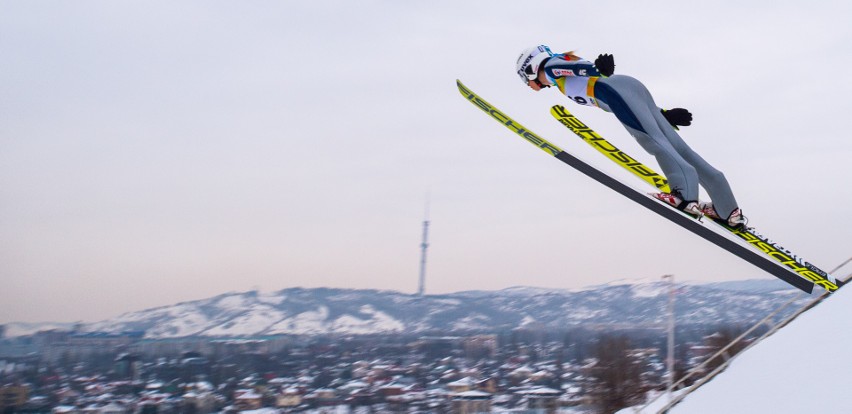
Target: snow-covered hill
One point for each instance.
(25, 328)
(345, 311)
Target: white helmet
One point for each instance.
(529, 61)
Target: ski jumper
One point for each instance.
(630, 102)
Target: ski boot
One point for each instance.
(675, 200)
(736, 219)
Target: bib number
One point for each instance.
(580, 100)
(583, 100)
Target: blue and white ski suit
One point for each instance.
(629, 100)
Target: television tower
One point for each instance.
(423, 246)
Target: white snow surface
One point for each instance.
(255, 321)
(528, 320)
(271, 298)
(234, 301)
(183, 319)
(803, 368)
(309, 322)
(379, 321)
(15, 329)
(471, 322)
(649, 290)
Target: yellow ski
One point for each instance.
(606, 148)
(761, 243)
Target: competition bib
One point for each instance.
(579, 89)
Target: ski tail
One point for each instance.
(673, 215)
(771, 249)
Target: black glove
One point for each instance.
(605, 64)
(677, 116)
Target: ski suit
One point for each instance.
(629, 100)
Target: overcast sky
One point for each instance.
(153, 152)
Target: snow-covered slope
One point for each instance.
(290, 311)
(803, 368)
(14, 329)
(299, 311)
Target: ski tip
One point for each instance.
(464, 90)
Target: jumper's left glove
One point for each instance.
(678, 116)
(605, 64)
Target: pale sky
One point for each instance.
(153, 152)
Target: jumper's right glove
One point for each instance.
(605, 64)
(677, 116)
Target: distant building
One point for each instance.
(520, 374)
(199, 402)
(322, 397)
(127, 366)
(488, 385)
(462, 385)
(291, 397)
(247, 400)
(114, 408)
(433, 347)
(470, 402)
(12, 397)
(55, 345)
(391, 390)
(480, 346)
(543, 398)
